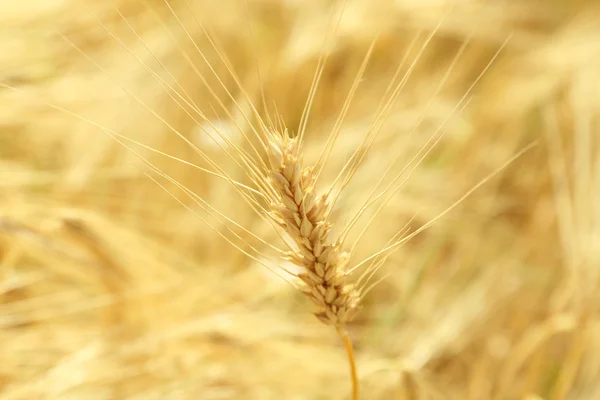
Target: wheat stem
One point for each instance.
(351, 361)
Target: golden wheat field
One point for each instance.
(173, 173)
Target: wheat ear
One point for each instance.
(302, 212)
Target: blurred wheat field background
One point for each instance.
(113, 287)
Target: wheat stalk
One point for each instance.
(303, 214)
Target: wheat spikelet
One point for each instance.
(303, 214)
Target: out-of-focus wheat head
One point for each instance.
(134, 159)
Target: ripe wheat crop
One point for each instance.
(196, 195)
